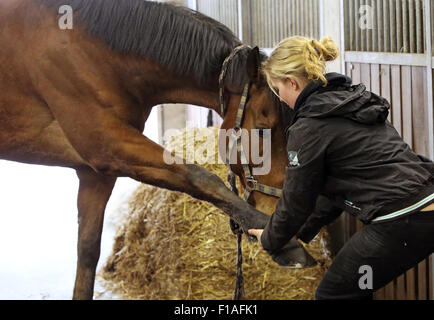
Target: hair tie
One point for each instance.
(313, 45)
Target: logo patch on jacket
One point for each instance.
(293, 158)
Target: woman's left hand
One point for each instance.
(257, 233)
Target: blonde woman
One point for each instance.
(345, 155)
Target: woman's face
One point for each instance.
(288, 90)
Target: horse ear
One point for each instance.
(253, 64)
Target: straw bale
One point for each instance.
(172, 246)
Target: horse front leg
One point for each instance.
(94, 192)
(112, 146)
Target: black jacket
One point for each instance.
(343, 155)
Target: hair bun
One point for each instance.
(301, 58)
(329, 49)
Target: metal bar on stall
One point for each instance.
(374, 34)
(305, 18)
(309, 15)
(293, 22)
(386, 26)
(300, 14)
(271, 34)
(351, 45)
(380, 34)
(399, 27)
(297, 17)
(259, 24)
(356, 25)
(419, 27)
(370, 31)
(392, 12)
(315, 15)
(405, 22)
(286, 17)
(283, 21)
(364, 31)
(315, 22)
(412, 23)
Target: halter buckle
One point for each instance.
(251, 181)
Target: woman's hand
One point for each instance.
(257, 233)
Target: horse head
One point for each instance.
(261, 125)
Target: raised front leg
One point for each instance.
(94, 193)
(111, 145)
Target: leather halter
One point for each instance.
(235, 138)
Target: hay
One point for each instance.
(171, 246)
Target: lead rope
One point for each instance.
(239, 280)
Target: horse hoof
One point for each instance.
(294, 256)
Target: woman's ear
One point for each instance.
(292, 82)
(253, 64)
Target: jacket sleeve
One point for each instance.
(423, 158)
(325, 212)
(304, 180)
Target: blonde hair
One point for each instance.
(302, 58)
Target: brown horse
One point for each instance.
(79, 98)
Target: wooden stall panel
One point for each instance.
(405, 88)
(395, 100)
(420, 117)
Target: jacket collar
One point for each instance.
(333, 79)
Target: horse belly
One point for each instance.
(29, 134)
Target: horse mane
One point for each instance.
(184, 41)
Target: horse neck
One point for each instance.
(152, 85)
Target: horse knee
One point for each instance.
(104, 166)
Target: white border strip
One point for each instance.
(240, 21)
(429, 82)
(342, 31)
(404, 59)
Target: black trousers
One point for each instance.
(376, 255)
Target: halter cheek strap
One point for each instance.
(223, 76)
(235, 143)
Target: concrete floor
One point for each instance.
(38, 231)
